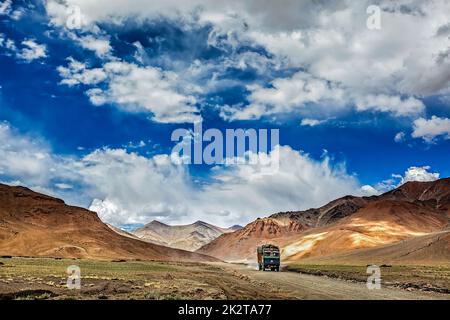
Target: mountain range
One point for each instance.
(408, 224)
(187, 237)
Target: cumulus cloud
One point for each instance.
(430, 129)
(393, 104)
(100, 45)
(285, 95)
(135, 189)
(8, 44)
(77, 73)
(292, 95)
(134, 89)
(32, 51)
(419, 174)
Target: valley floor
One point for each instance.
(42, 278)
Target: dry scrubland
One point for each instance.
(43, 278)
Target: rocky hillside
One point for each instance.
(415, 209)
(33, 224)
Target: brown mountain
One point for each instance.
(415, 209)
(378, 223)
(33, 224)
(280, 228)
(430, 249)
(187, 237)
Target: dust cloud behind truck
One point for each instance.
(268, 257)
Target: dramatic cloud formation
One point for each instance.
(124, 187)
(294, 65)
(343, 63)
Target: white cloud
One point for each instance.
(368, 191)
(393, 104)
(400, 137)
(100, 46)
(27, 160)
(5, 7)
(285, 95)
(145, 188)
(32, 51)
(292, 95)
(419, 174)
(134, 89)
(22, 157)
(432, 128)
(311, 122)
(77, 73)
(63, 186)
(10, 45)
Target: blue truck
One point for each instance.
(268, 257)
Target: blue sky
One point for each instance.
(87, 112)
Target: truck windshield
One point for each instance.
(271, 253)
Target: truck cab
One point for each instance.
(268, 257)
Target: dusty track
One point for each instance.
(302, 286)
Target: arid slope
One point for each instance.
(33, 224)
(415, 209)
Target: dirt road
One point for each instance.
(303, 286)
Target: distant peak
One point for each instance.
(157, 223)
(200, 223)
